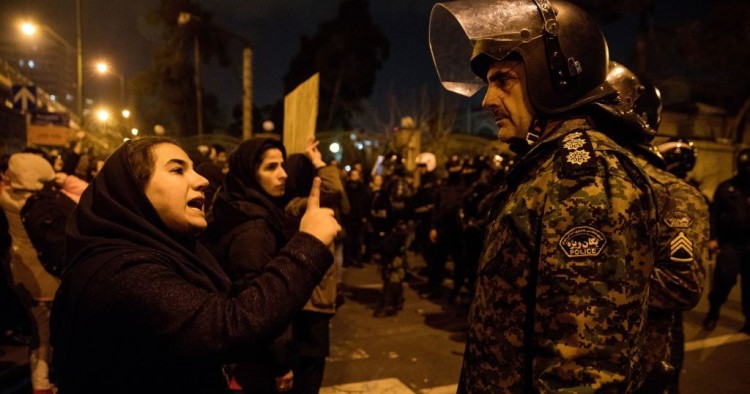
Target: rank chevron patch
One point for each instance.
(681, 248)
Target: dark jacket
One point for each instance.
(245, 233)
(143, 311)
(730, 213)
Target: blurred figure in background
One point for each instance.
(214, 170)
(730, 213)
(423, 204)
(445, 231)
(310, 327)
(390, 212)
(355, 221)
(28, 174)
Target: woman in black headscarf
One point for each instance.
(142, 306)
(245, 232)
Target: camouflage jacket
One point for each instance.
(576, 223)
(678, 276)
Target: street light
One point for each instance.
(102, 114)
(30, 29)
(104, 68)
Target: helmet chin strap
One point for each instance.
(533, 135)
(535, 131)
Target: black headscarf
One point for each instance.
(241, 197)
(115, 217)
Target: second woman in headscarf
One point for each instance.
(245, 232)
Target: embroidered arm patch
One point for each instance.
(681, 248)
(678, 219)
(582, 241)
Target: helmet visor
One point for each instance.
(456, 28)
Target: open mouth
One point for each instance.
(197, 203)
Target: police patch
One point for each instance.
(678, 219)
(681, 248)
(582, 241)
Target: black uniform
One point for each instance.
(730, 214)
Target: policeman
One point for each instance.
(563, 281)
(680, 155)
(473, 216)
(730, 213)
(423, 203)
(390, 213)
(445, 232)
(678, 277)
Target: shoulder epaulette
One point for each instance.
(577, 155)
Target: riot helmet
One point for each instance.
(627, 85)
(393, 164)
(427, 161)
(680, 155)
(622, 116)
(563, 50)
(454, 164)
(499, 167)
(649, 105)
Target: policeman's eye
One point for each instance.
(503, 80)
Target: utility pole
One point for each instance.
(185, 18)
(79, 62)
(247, 92)
(198, 88)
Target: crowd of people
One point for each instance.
(158, 269)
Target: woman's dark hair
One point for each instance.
(140, 155)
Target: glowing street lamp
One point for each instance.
(31, 29)
(28, 28)
(126, 113)
(102, 114)
(104, 68)
(134, 131)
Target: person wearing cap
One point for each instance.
(562, 286)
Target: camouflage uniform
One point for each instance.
(576, 224)
(678, 276)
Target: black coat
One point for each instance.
(141, 311)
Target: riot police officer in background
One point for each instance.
(390, 214)
(473, 215)
(445, 232)
(680, 155)
(730, 213)
(423, 204)
(556, 307)
(678, 277)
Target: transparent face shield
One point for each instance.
(461, 30)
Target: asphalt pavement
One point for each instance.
(421, 349)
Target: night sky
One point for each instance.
(116, 30)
